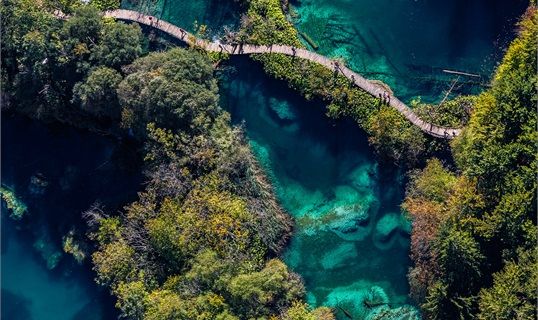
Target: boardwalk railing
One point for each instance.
(372, 88)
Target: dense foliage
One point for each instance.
(482, 221)
(64, 71)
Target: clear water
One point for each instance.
(214, 14)
(38, 280)
(407, 43)
(350, 235)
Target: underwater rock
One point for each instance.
(311, 299)
(348, 299)
(339, 256)
(405, 224)
(350, 219)
(38, 184)
(405, 312)
(282, 109)
(364, 300)
(48, 251)
(293, 257)
(359, 299)
(375, 297)
(386, 226)
(350, 222)
(13, 203)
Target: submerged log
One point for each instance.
(346, 313)
(309, 40)
(462, 73)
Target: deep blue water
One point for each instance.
(39, 281)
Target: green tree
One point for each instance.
(301, 311)
(163, 305)
(394, 137)
(120, 44)
(131, 299)
(460, 259)
(258, 293)
(173, 89)
(513, 294)
(104, 5)
(97, 94)
(114, 263)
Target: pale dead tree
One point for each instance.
(449, 91)
(94, 215)
(168, 180)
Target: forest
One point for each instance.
(204, 238)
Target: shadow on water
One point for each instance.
(350, 236)
(58, 173)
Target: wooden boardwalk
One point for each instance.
(372, 88)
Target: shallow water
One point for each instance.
(407, 43)
(350, 236)
(214, 14)
(73, 169)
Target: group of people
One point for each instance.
(385, 97)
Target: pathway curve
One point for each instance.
(372, 88)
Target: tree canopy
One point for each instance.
(482, 221)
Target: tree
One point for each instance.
(119, 45)
(97, 94)
(104, 5)
(84, 26)
(163, 305)
(300, 311)
(131, 299)
(394, 137)
(114, 263)
(479, 219)
(173, 89)
(258, 293)
(460, 259)
(427, 196)
(513, 294)
(80, 33)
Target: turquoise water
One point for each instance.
(58, 172)
(407, 43)
(214, 14)
(350, 236)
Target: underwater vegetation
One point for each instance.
(15, 205)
